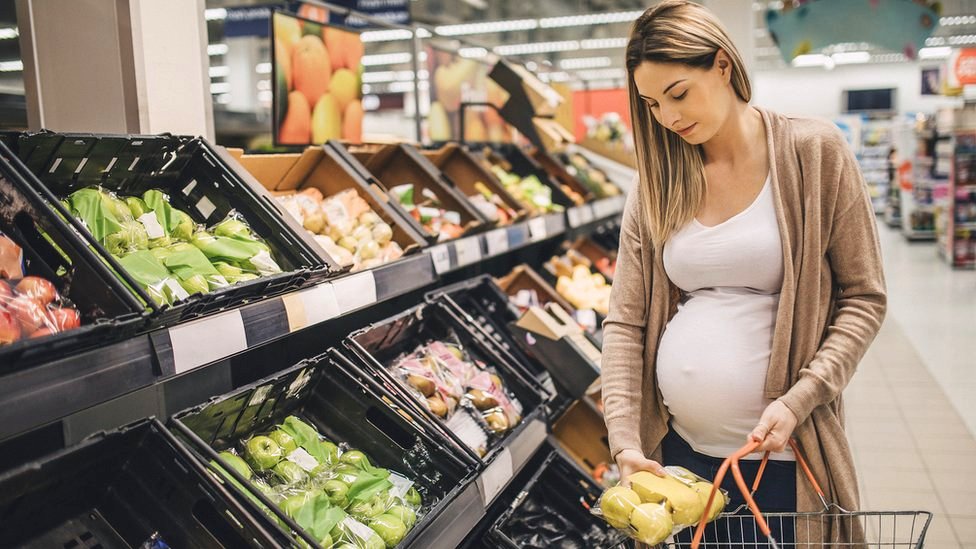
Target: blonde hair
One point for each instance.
(672, 171)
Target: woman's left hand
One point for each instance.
(775, 428)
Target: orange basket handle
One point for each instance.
(733, 463)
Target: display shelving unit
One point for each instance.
(874, 158)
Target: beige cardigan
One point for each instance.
(831, 307)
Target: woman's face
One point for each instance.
(691, 102)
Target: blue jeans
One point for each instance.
(776, 494)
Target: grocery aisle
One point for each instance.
(908, 409)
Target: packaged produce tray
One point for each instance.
(465, 173)
(593, 179)
(395, 165)
(558, 171)
(523, 277)
(354, 412)
(108, 310)
(408, 346)
(115, 490)
(513, 159)
(325, 169)
(553, 510)
(198, 180)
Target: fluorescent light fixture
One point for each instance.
(809, 60)
(603, 43)
(585, 63)
(537, 47)
(224, 98)
(264, 85)
(220, 87)
(560, 76)
(602, 74)
(935, 41)
(217, 49)
(9, 33)
(957, 20)
(851, 57)
(935, 53)
(400, 87)
(265, 96)
(473, 53)
(962, 39)
(423, 33)
(590, 19)
(11, 66)
(370, 102)
(263, 68)
(214, 14)
(889, 58)
(219, 71)
(386, 59)
(387, 76)
(532, 66)
(390, 35)
(487, 27)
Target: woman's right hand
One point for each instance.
(631, 461)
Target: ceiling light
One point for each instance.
(590, 19)
(220, 87)
(218, 72)
(810, 60)
(224, 99)
(264, 85)
(265, 96)
(390, 35)
(487, 27)
(585, 63)
(602, 74)
(603, 43)
(11, 66)
(217, 49)
(473, 53)
(263, 68)
(214, 14)
(935, 53)
(935, 41)
(386, 59)
(423, 33)
(9, 33)
(560, 76)
(851, 57)
(537, 47)
(388, 76)
(400, 87)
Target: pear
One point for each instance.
(686, 506)
(617, 504)
(652, 523)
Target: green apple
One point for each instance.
(405, 514)
(331, 451)
(345, 545)
(286, 441)
(354, 457)
(413, 497)
(290, 473)
(390, 528)
(336, 490)
(292, 504)
(326, 541)
(364, 510)
(237, 463)
(263, 453)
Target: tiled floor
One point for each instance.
(912, 405)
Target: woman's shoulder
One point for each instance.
(812, 135)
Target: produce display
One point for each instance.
(592, 178)
(584, 289)
(162, 248)
(491, 205)
(345, 226)
(424, 206)
(528, 190)
(332, 491)
(654, 507)
(30, 306)
(457, 388)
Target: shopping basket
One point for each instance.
(882, 529)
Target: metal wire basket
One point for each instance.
(748, 527)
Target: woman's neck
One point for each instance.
(737, 138)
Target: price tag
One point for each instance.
(497, 241)
(496, 476)
(537, 228)
(303, 459)
(151, 223)
(587, 317)
(311, 306)
(206, 340)
(442, 258)
(599, 209)
(573, 214)
(468, 250)
(355, 291)
(358, 529)
(586, 213)
(401, 485)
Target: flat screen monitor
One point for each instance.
(869, 100)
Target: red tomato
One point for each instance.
(37, 288)
(29, 312)
(9, 327)
(41, 333)
(63, 319)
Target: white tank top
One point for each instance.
(713, 356)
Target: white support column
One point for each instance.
(739, 20)
(116, 66)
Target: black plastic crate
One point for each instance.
(380, 344)
(344, 407)
(555, 500)
(109, 311)
(524, 165)
(114, 490)
(198, 179)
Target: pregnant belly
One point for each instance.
(711, 367)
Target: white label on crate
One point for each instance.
(524, 299)
(467, 430)
(548, 385)
(355, 291)
(303, 459)
(299, 383)
(496, 476)
(205, 207)
(497, 241)
(179, 292)
(204, 341)
(586, 213)
(358, 529)
(153, 228)
(441, 257)
(586, 317)
(468, 250)
(319, 304)
(259, 396)
(537, 228)
(573, 214)
(401, 485)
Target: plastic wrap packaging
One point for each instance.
(654, 508)
(443, 377)
(425, 207)
(30, 306)
(528, 190)
(332, 491)
(345, 226)
(168, 254)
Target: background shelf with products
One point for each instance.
(958, 239)
(874, 157)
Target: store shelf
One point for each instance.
(919, 235)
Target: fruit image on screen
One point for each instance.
(454, 80)
(318, 82)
